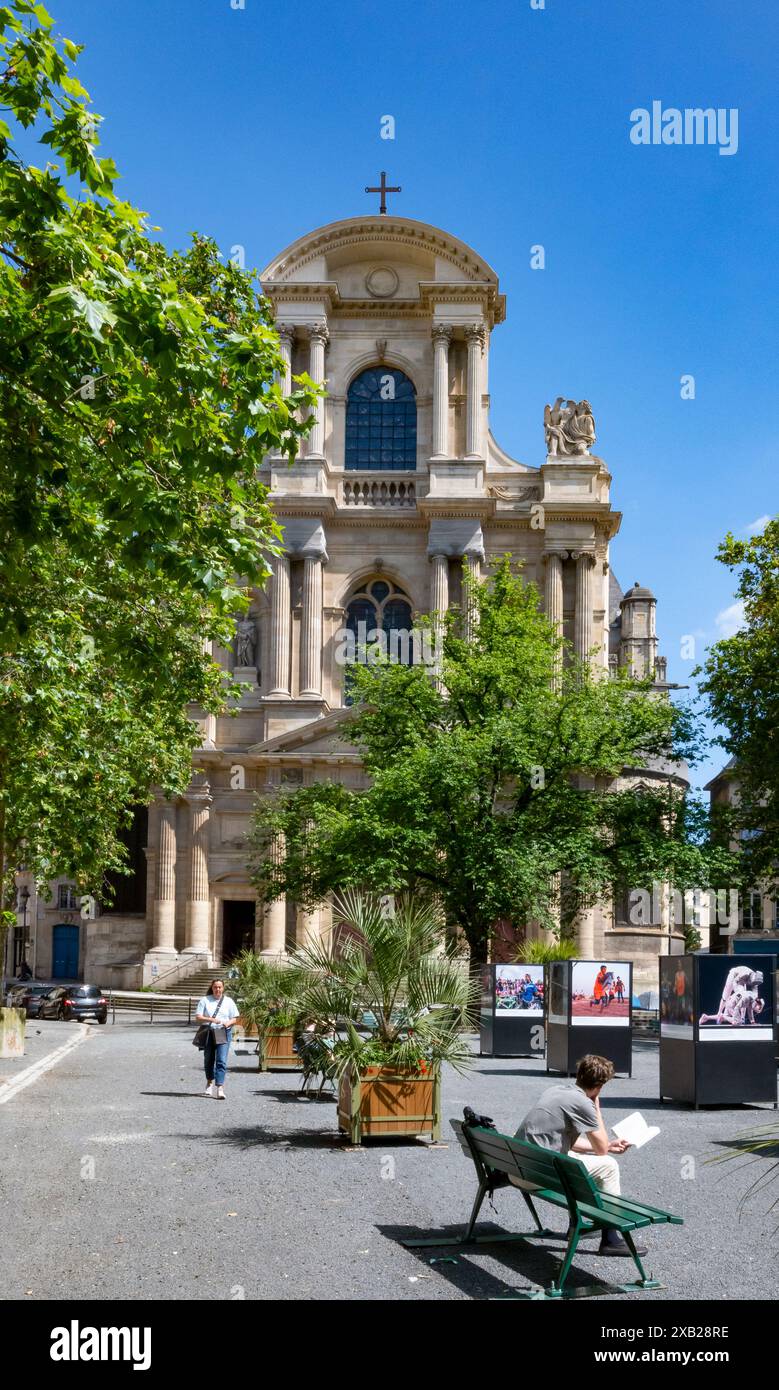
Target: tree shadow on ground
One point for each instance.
(531, 1266)
(743, 1147)
(509, 1071)
(287, 1097)
(247, 1137)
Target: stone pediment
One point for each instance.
(326, 737)
(367, 262)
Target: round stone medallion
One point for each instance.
(381, 282)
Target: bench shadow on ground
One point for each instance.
(528, 1267)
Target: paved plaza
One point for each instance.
(120, 1180)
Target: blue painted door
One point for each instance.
(65, 953)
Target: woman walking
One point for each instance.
(219, 1012)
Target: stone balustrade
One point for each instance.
(378, 492)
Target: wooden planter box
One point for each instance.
(379, 1102)
(276, 1052)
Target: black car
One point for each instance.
(31, 997)
(75, 1001)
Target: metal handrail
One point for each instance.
(112, 1001)
(174, 969)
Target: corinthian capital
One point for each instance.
(474, 333)
(442, 333)
(320, 330)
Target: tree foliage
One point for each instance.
(741, 684)
(499, 792)
(139, 395)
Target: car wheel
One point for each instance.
(103, 1020)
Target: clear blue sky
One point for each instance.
(512, 127)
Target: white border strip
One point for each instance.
(31, 1074)
(726, 1034)
(599, 1021)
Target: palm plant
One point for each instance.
(266, 992)
(388, 974)
(540, 952)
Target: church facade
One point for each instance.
(400, 483)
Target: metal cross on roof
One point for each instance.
(384, 189)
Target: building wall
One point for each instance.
(466, 500)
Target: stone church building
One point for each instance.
(399, 483)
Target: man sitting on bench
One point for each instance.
(567, 1118)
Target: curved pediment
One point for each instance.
(382, 258)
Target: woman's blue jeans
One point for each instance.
(215, 1059)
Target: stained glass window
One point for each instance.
(381, 421)
(380, 608)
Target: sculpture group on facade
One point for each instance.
(569, 428)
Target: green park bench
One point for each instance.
(542, 1175)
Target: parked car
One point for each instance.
(75, 1002)
(30, 998)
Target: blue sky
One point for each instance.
(512, 130)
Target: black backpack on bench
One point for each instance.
(473, 1121)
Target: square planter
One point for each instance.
(276, 1052)
(383, 1102)
(12, 1023)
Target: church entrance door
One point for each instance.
(237, 926)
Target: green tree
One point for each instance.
(741, 684)
(497, 791)
(139, 395)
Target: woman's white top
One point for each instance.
(227, 1012)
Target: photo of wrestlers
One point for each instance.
(601, 991)
(519, 989)
(734, 995)
(676, 992)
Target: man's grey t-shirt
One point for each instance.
(558, 1117)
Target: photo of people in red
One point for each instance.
(601, 992)
(676, 993)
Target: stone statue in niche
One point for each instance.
(245, 642)
(569, 428)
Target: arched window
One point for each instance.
(380, 620)
(381, 421)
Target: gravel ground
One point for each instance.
(121, 1180)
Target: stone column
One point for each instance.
(585, 933)
(472, 560)
(198, 899)
(585, 562)
(319, 340)
(165, 895)
(439, 604)
(311, 627)
(553, 597)
(442, 335)
(280, 628)
(307, 927)
(475, 339)
(287, 340)
(274, 927)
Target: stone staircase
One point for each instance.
(192, 986)
(172, 1001)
